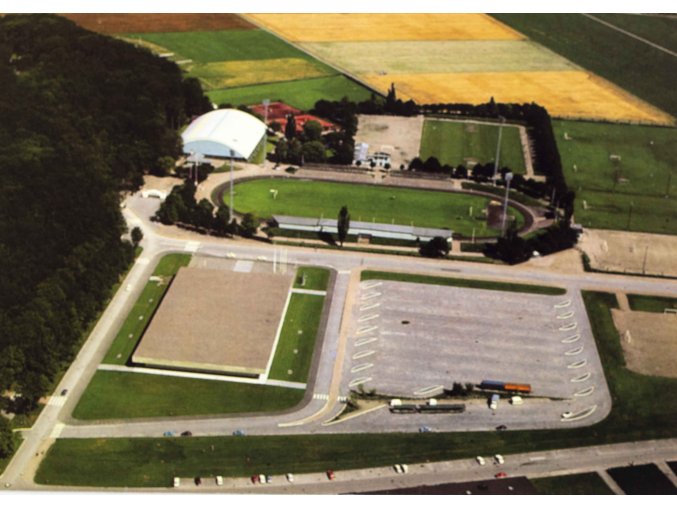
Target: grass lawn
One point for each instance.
(224, 45)
(633, 65)
(577, 484)
(454, 143)
(302, 94)
(122, 395)
(655, 304)
(315, 278)
(462, 282)
(403, 206)
(295, 350)
(132, 329)
(644, 408)
(641, 179)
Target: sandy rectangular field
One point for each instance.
(649, 341)
(404, 57)
(147, 23)
(572, 94)
(218, 321)
(373, 27)
(397, 135)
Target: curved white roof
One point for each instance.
(224, 133)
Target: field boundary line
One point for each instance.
(630, 34)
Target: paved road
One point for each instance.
(159, 240)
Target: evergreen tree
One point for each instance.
(343, 224)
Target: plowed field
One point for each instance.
(385, 27)
(147, 23)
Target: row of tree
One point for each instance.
(83, 116)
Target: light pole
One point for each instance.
(498, 148)
(231, 184)
(508, 178)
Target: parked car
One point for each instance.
(480, 460)
(219, 480)
(501, 475)
(198, 481)
(499, 459)
(239, 433)
(398, 469)
(177, 482)
(262, 478)
(405, 468)
(290, 477)
(255, 479)
(424, 429)
(269, 479)
(330, 475)
(64, 392)
(168, 434)
(501, 427)
(187, 434)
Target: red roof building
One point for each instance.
(278, 112)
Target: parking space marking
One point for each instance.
(574, 352)
(585, 392)
(578, 364)
(366, 329)
(566, 315)
(361, 367)
(572, 338)
(363, 354)
(368, 317)
(429, 389)
(370, 295)
(563, 304)
(582, 378)
(369, 307)
(364, 341)
(569, 327)
(356, 382)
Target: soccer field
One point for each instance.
(404, 206)
(457, 143)
(636, 191)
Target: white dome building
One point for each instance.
(224, 133)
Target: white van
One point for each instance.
(516, 400)
(219, 480)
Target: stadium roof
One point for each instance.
(224, 133)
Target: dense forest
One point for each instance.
(82, 117)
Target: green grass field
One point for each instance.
(631, 64)
(302, 94)
(463, 282)
(641, 179)
(315, 278)
(654, 304)
(455, 143)
(295, 350)
(661, 30)
(132, 329)
(644, 408)
(577, 484)
(122, 395)
(366, 203)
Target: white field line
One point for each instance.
(310, 292)
(277, 336)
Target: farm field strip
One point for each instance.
(661, 30)
(147, 23)
(383, 27)
(572, 94)
(403, 57)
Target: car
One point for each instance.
(64, 392)
(330, 475)
(290, 477)
(405, 468)
(398, 469)
(219, 480)
(501, 475)
(480, 460)
(269, 479)
(424, 429)
(262, 478)
(254, 479)
(187, 433)
(198, 481)
(499, 459)
(168, 434)
(177, 482)
(239, 433)
(501, 427)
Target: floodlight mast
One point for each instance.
(508, 178)
(231, 184)
(498, 148)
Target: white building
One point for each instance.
(224, 133)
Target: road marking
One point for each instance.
(364, 341)
(56, 431)
(582, 378)
(585, 392)
(143, 261)
(371, 295)
(361, 367)
(366, 329)
(371, 285)
(578, 364)
(580, 415)
(356, 382)
(363, 354)
(567, 315)
(563, 304)
(57, 401)
(318, 396)
(231, 255)
(192, 246)
(569, 327)
(369, 307)
(572, 338)
(574, 352)
(368, 317)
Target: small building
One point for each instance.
(363, 230)
(361, 152)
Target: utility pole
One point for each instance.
(498, 148)
(508, 179)
(232, 207)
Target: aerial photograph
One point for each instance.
(322, 253)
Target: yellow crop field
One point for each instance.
(215, 75)
(571, 94)
(384, 27)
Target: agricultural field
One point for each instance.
(642, 70)
(148, 23)
(479, 59)
(457, 143)
(403, 206)
(383, 27)
(624, 176)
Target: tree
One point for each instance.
(137, 236)
(282, 151)
(313, 151)
(6, 439)
(435, 248)
(249, 225)
(343, 224)
(312, 130)
(290, 127)
(203, 215)
(222, 225)
(432, 165)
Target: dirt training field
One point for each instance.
(398, 136)
(147, 23)
(571, 94)
(374, 27)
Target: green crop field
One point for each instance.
(366, 203)
(625, 194)
(225, 45)
(644, 408)
(455, 143)
(297, 338)
(133, 327)
(661, 30)
(577, 484)
(122, 395)
(302, 94)
(631, 64)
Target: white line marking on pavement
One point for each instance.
(364, 353)
(356, 382)
(368, 317)
(369, 307)
(585, 392)
(57, 401)
(582, 378)
(574, 352)
(310, 292)
(563, 304)
(429, 389)
(361, 367)
(578, 364)
(572, 338)
(364, 341)
(366, 329)
(318, 396)
(56, 431)
(567, 315)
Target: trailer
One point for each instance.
(511, 387)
